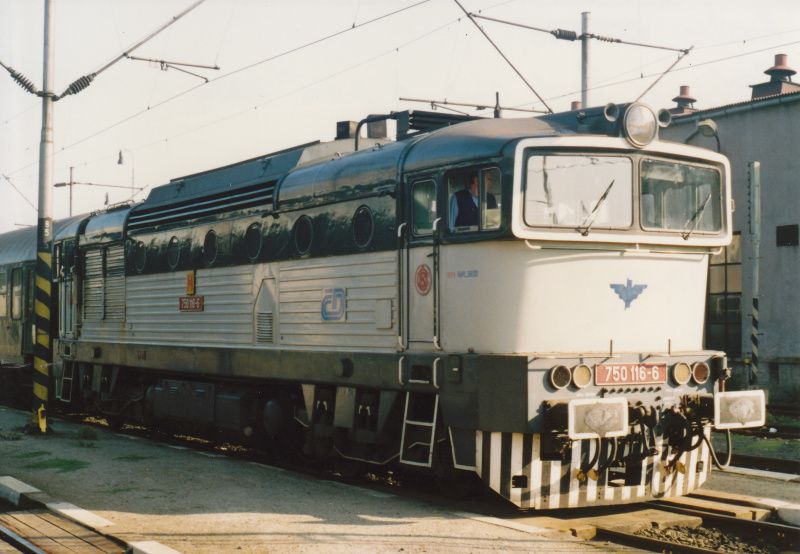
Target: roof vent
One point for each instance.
(685, 102)
(781, 70)
(780, 79)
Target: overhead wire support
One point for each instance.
(166, 64)
(443, 103)
(642, 44)
(565, 34)
(654, 83)
(524, 80)
(169, 62)
(82, 82)
(562, 34)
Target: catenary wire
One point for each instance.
(10, 182)
(291, 92)
(499, 51)
(219, 78)
(687, 68)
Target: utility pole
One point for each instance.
(585, 59)
(43, 347)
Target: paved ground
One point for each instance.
(193, 502)
(757, 486)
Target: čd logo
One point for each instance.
(333, 305)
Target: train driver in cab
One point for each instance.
(465, 204)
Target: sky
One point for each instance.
(282, 83)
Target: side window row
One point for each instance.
(15, 286)
(473, 202)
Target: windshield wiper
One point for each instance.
(695, 218)
(589, 221)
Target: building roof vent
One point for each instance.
(780, 79)
(685, 102)
(781, 70)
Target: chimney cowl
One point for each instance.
(781, 70)
(684, 96)
(685, 102)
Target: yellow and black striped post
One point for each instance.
(43, 347)
(754, 343)
(754, 175)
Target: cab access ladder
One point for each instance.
(64, 392)
(419, 429)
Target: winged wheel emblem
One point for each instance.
(628, 292)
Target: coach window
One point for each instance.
(423, 210)
(16, 293)
(474, 200)
(3, 294)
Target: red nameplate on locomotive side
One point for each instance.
(191, 303)
(630, 374)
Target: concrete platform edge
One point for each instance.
(22, 495)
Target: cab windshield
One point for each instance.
(680, 197)
(579, 191)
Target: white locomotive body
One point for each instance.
(517, 299)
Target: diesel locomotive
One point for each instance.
(517, 299)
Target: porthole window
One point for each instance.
(139, 256)
(363, 227)
(173, 252)
(210, 248)
(252, 241)
(303, 233)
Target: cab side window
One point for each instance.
(16, 293)
(474, 200)
(491, 199)
(423, 209)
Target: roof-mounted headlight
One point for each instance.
(640, 125)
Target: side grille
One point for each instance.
(93, 286)
(115, 284)
(251, 196)
(264, 328)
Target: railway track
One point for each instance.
(756, 532)
(717, 534)
(17, 543)
(780, 465)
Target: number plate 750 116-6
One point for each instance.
(630, 374)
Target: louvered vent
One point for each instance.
(246, 197)
(264, 328)
(93, 285)
(115, 284)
